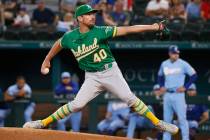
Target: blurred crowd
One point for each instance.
(15, 14)
(39, 14)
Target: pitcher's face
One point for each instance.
(88, 19)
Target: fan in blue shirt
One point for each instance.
(64, 88)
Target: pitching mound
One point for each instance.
(7, 133)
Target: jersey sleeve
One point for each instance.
(160, 72)
(188, 69)
(204, 108)
(28, 91)
(107, 32)
(11, 91)
(64, 41)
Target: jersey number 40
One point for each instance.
(98, 57)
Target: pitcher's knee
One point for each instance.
(76, 106)
(134, 103)
(131, 100)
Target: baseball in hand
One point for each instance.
(45, 71)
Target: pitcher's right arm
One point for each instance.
(53, 51)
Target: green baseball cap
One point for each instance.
(84, 9)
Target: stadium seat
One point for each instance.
(176, 26)
(205, 35)
(206, 26)
(175, 35)
(57, 35)
(193, 26)
(150, 36)
(177, 21)
(1, 31)
(42, 35)
(137, 19)
(121, 38)
(11, 34)
(190, 35)
(26, 34)
(191, 32)
(135, 37)
(139, 6)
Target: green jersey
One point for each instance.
(91, 49)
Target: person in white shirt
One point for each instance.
(22, 19)
(66, 24)
(21, 90)
(157, 8)
(68, 5)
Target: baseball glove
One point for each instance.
(163, 32)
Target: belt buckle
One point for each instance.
(107, 66)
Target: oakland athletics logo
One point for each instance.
(83, 51)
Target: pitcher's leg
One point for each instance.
(117, 85)
(89, 90)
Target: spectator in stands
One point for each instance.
(193, 10)
(205, 10)
(177, 10)
(18, 91)
(103, 17)
(66, 24)
(136, 121)
(22, 19)
(127, 4)
(68, 89)
(68, 5)
(119, 16)
(10, 8)
(4, 110)
(197, 114)
(117, 113)
(109, 2)
(157, 8)
(42, 17)
(156, 89)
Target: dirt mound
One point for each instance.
(9, 133)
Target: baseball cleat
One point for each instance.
(164, 126)
(34, 124)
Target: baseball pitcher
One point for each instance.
(89, 44)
